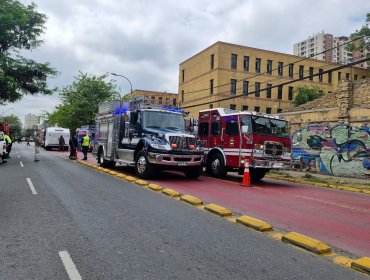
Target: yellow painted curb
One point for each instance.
(100, 168)
(362, 265)
(106, 170)
(344, 261)
(112, 172)
(320, 185)
(253, 223)
(171, 193)
(130, 178)
(141, 182)
(334, 186)
(155, 187)
(122, 176)
(366, 191)
(191, 200)
(306, 242)
(218, 210)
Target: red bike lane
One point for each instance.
(338, 218)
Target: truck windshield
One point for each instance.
(153, 119)
(266, 126)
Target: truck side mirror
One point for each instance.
(245, 129)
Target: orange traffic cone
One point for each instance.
(246, 178)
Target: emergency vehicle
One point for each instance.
(229, 137)
(146, 137)
(52, 135)
(4, 129)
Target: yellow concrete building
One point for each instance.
(156, 97)
(245, 78)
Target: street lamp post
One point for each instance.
(2, 114)
(118, 75)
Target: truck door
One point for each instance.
(231, 141)
(215, 138)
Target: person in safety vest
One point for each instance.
(85, 143)
(8, 146)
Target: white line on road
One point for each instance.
(31, 186)
(19, 156)
(21, 164)
(69, 266)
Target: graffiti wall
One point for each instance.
(340, 150)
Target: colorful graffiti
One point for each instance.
(341, 150)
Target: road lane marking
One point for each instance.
(31, 186)
(19, 156)
(69, 266)
(21, 163)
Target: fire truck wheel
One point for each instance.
(257, 174)
(143, 168)
(216, 166)
(193, 172)
(101, 160)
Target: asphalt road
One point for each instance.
(68, 218)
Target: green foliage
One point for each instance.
(20, 28)
(362, 43)
(80, 101)
(304, 94)
(15, 125)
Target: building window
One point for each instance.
(257, 109)
(233, 86)
(280, 92)
(330, 77)
(257, 89)
(245, 87)
(210, 106)
(211, 86)
(258, 65)
(339, 76)
(301, 71)
(234, 59)
(291, 65)
(174, 102)
(268, 110)
(244, 108)
(159, 100)
(246, 63)
(356, 77)
(310, 73)
(347, 76)
(153, 98)
(183, 75)
(232, 106)
(212, 61)
(290, 93)
(183, 96)
(268, 90)
(280, 69)
(279, 111)
(269, 66)
(320, 75)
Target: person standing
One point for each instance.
(73, 143)
(85, 144)
(38, 144)
(61, 143)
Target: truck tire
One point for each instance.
(143, 168)
(216, 166)
(103, 163)
(193, 172)
(257, 174)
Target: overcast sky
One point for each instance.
(146, 40)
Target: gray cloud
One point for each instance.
(147, 40)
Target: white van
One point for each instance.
(52, 135)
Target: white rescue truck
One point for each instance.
(145, 137)
(52, 135)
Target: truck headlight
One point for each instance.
(160, 146)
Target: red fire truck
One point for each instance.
(230, 136)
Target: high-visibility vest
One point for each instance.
(7, 139)
(85, 141)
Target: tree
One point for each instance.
(20, 28)
(363, 42)
(15, 125)
(304, 94)
(80, 101)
